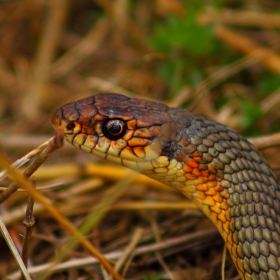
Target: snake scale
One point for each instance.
(212, 165)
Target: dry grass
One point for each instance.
(56, 51)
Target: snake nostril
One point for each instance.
(70, 126)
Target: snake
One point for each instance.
(211, 164)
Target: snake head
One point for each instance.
(114, 127)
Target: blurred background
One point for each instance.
(219, 59)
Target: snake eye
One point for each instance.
(114, 129)
(70, 126)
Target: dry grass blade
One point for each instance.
(95, 215)
(240, 18)
(265, 56)
(13, 249)
(190, 237)
(106, 86)
(54, 144)
(129, 249)
(29, 223)
(18, 163)
(37, 92)
(64, 222)
(224, 262)
(266, 141)
(94, 169)
(213, 80)
(18, 213)
(80, 52)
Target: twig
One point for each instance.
(17, 142)
(240, 18)
(267, 141)
(130, 248)
(18, 163)
(29, 225)
(224, 262)
(14, 251)
(55, 143)
(156, 234)
(86, 47)
(53, 27)
(93, 169)
(263, 55)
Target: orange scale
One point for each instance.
(190, 176)
(196, 172)
(211, 184)
(212, 178)
(228, 217)
(225, 228)
(197, 159)
(224, 194)
(231, 226)
(218, 198)
(211, 192)
(202, 180)
(233, 251)
(192, 163)
(131, 124)
(239, 263)
(197, 154)
(209, 201)
(88, 130)
(223, 205)
(229, 202)
(134, 142)
(204, 173)
(187, 168)
(202, 167)
(225, 183)
(128, 135)
(211, 169)
(229, 239)
(218, 188)
(139, 151)
(98, 117)
(221, 217)
(213, 217)
(240, 253)
(215, 208)
(202, 187)
(200, 195)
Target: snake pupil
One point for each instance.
(114, 129)
(70, 126)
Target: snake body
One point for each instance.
(216, 168)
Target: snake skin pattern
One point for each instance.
(220, 171)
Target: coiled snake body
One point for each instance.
(208, 162)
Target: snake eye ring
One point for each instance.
(114, 129)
